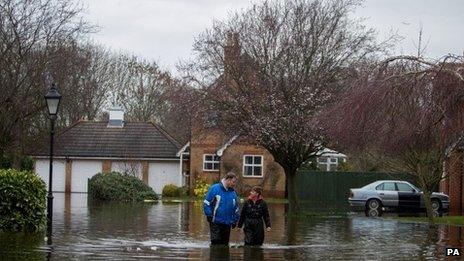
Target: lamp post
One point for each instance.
(53, 101)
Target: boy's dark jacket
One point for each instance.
(252, 217)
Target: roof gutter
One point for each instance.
(224, 147)
(105, 158)
(182, 150)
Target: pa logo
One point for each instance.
(452, 251)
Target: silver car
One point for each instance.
(393, 194)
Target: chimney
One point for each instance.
(116, 117)
(231, 50)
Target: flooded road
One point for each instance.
(178, 230)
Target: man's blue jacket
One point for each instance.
(221, 204)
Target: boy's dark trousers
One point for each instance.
(220, 233)
(254, 232)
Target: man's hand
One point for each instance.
(209, 219)
(268, 229)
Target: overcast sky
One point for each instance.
(164, 30)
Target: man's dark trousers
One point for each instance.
(220, 233)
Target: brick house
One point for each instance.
(212, 154)
(453, 182)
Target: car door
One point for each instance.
(388, 194)
(408, 197)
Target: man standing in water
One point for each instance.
(221, 209)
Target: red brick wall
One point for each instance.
(453, 184)
(273, 181)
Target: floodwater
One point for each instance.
(84, 230)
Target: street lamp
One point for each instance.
(53, 101)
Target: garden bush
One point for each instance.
(22, 201)
(171, 190)
(201, 187)
(115, 186)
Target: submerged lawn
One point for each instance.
(448, 220)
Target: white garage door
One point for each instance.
(59, 173)
(82, 170)
(163, 173)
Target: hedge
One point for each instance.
(115, 186)
(22, 201)
(171, 190)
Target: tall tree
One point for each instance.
(267, 71)
(407, 109)
(142, 87)
(85, 74)
(28, 28)
(182, 103)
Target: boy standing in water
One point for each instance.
(254, 214)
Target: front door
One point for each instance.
(408, 197)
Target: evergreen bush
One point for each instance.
(115, 186)
(22, 201)
(171, 190)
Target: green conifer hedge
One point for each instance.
(22, 201)
(115, 186)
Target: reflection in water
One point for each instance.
(219, 253)
(90, 230)
(253, 253)
(21, 246)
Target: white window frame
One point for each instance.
(210, 161)
(252, 165)
(328, 162)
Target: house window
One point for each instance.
(210, 162)
(328, 163)
(253, 165)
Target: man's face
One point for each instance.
(231, 182)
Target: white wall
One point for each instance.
(59, 173)
(81, 171)
(162, 173)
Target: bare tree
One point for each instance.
(85, 75)
(407, 109)
(28, 28)
(142, 88)
(182, 103)
(267, 71)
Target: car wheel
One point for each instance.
(436, 206)
(373, 204)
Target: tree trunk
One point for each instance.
(428, 207)
(290, 179)
(16, 154)
(426, 194)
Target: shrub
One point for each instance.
(184, 191)
(115, 186)
(171, 190)
(345, 166)
(22, 201)
(201, 187)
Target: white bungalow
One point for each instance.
(142, 149)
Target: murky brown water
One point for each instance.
(83, 230)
